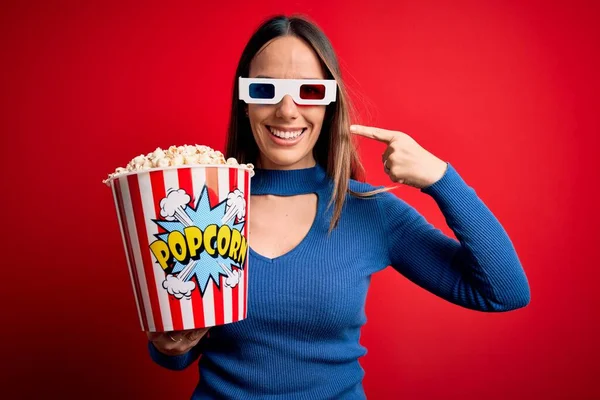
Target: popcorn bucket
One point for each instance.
(185, 235)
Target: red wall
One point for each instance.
(506, 91)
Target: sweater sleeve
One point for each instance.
(176, 363)
(480, 271)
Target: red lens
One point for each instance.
(312, 92)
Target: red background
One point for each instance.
(505, 90)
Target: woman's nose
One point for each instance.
(287, 108)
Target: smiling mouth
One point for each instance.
(287, 134)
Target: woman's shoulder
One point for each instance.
(382, 194)
(374, 205)
(359, 186)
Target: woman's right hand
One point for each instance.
(175, 343)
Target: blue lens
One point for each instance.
(262, 90)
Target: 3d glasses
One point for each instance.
(303, 91)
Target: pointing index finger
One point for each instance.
(370, 132)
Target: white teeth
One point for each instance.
(285, 134)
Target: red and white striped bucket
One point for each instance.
(185, 234)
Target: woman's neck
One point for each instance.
(288, 182)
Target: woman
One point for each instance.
(318, 234)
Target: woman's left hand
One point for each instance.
(404, 160)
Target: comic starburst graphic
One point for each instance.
(201, 215)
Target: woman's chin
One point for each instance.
(287, 161)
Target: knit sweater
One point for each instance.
(300, 339)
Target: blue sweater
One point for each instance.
(306, 308)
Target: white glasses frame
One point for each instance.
(288, 86)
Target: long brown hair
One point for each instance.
(334, 150)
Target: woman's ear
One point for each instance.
(246, 110)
